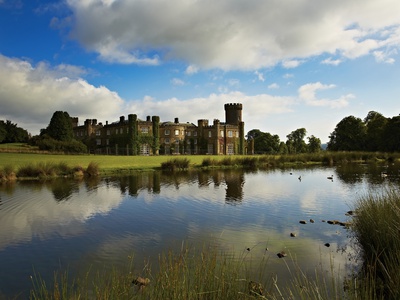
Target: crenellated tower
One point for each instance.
(233, 113)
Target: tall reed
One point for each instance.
(376, 229)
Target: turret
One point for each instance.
(233, 113)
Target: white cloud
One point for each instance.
(233, 34)
(260, 76)
(330, 61)
(29, 95)
(290, 64)
(177, 82)
(380, 56)
(192, 69)
(273, 86)
(307, 93)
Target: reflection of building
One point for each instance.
(152, 137)
(234, 187)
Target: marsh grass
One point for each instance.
(206, 273)
(376, 228)
(176, 164)
(52, 169)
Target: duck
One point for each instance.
(330, 177)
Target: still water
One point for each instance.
(75, 225)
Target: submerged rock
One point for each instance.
(281, 254)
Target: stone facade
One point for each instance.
(152, 137)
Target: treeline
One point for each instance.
(11, 133)
(266, 143)
(374, 133)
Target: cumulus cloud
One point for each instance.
(273, 86)
(233, 34)
(307, 93)
(177, 82)
(330, 61)
(256, 107)
(30, 94)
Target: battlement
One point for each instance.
(233, 106)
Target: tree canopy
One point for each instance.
(60, 127)
(11, 133)
(374, 133)
(265, 142)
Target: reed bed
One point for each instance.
(376, 229)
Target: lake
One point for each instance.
(74, 225)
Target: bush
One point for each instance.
(52, 145)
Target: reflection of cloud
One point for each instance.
(42, 215)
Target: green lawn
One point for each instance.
(107, 163)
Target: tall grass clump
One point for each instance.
(7, 173)
(93, 169)
(376, 229)
(175, 164)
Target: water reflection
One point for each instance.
(84, 223)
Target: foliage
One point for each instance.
(11, 133)
(60, 127)
(314, 144)
(349, 135)
(295, 141)
(264, 142)
(52, 145)
(375, 123)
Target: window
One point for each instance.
(98, 142)
(237, 134)
(189, 133)
(209, 134)
(145, 129)
(222, 133)
(98, 132)
(167, 140)
(195, 133)
(176, 131)
(108, 132)
(195, 141)
(121, 130)
(230, 149)
(166, 131)
(107, 142)
(230, 133)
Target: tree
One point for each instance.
(314, 144)
(375, 123)
(11, 133)
(295, 141)
(349, 135)
(3, 131)
(264, 142)
(60, 127)
(391, 135)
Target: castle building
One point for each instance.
(152, 137)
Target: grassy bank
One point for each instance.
(110, 164)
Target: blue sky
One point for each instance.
(292, 64)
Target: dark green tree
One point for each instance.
(60, 127)
(375, 123)
(13, 133)
(295, 141)
(264, 142)
(314, 144)
(349, 135)
(3, 131)
(391, 135)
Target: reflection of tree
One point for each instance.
(63, 189)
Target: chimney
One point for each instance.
(176, 120)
